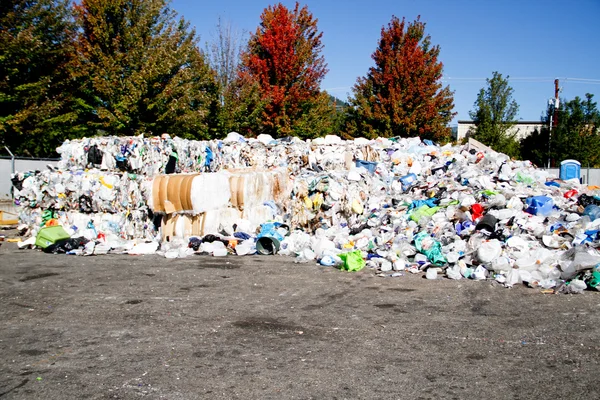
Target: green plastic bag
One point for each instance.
(431, 248)
(595, 281)
(353, 261)
(522, 178)
(489, 193)
(423, 211)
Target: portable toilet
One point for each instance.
(570, 169)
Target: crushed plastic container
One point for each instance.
(50, 235)
(539, 205)
(592, 211)
(369, 165)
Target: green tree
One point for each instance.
(284, 59)
(402, 94)
(576, 135)
(146, 72)
(244, 107)
(39, 103)
(534, 147)
(495, 116)
(320, 117)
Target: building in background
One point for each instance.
(522, 128)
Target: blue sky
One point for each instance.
(531, 41)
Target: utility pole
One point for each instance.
(553, 117)
(556, 90)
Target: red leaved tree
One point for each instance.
(402, 94)
(283, 58)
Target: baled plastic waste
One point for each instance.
(399, 204)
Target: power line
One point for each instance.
(583, 79)
(527, 79)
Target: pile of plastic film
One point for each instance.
(454, 212)
(151, 156)
(397, 206)
(112, 203)
(142, 155)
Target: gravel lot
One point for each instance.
(263, 327)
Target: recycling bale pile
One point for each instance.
(200, 204)
(110, 202)
(393, 205)
(452, 211)
(141, 155)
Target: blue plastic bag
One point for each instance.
(592, 211)
(432, 202)
(462, 227)
(209, 156)
(369, 165)
(275, 230)
(539, 205)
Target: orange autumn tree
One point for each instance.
(402, 94)
(283, 58)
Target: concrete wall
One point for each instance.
(20, 165)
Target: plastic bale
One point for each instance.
(352, 261)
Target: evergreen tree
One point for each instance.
(39, 103)
(319, 117)
(495, 116)
(402, 94)
(146, 72)
(283, 58)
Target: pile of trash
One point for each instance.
(394, 205)
(166, 155)
(111, 202)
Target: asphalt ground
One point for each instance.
(263, 327)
